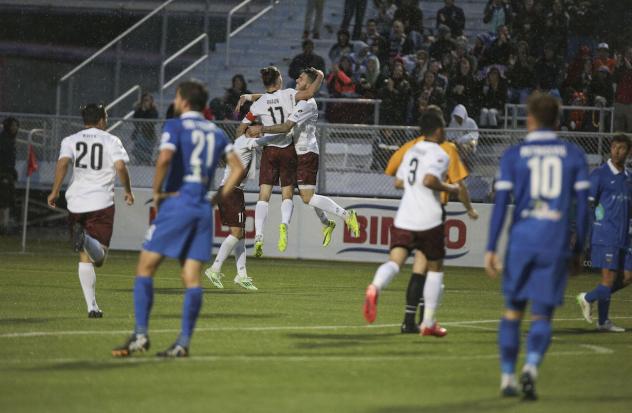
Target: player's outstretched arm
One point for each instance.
(252, 97)
(312, 89)
(123, 174)
(162, 167)
(464, 197)
(281, 128)
(60, 174)
(434, 183)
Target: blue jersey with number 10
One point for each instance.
(198, 145)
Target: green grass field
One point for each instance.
(299, 344)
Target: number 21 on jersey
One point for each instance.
(198, 138)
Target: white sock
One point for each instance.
(240, 257)
(432, 295)
(324, 219)
(328, 205)
(224, 251)
(287, 206)
(385, 274)
(530, 368)
(88, 280)
(508, 380)
(261, 213)
(94, 249)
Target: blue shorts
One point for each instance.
(182, 229)
(535, 276)
(611, 258)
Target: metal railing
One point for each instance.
(375, 102)
(229, 22)
(116, 41)
(515, 115)
(166, 84)
(139, 93)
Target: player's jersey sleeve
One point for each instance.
(506, 177)
(117, 151)
(302, 112)
(396, 159)
(402, 169)
(456, 170)
(438, 164)
(595, 186)
(504, 186)
(66, 150)
(255, 111)
(170, 136)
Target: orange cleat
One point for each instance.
(436, 330)
(370, 303)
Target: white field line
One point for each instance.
(283, 358)
(255, 329)
(597, 349)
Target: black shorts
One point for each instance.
(307, 170)
(278, 165)
(430, 242)
(232, 208)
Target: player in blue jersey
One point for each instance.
(189, 151)
(548, 179)
(611, 194)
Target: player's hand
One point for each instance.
(254, 131)
(493, 267)
(216, 198)
(129, 198)
(575, 266)
(452, 189)
(52, 199)
(240, 103)
(158, 197)
(473, 214)
(251, 143)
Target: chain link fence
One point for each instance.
(352, 161)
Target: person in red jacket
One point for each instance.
(623, 97)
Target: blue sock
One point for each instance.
(601, 292)
(604, 308)
(508, 344)
(143, 299)
(190, 311)
(538, 340)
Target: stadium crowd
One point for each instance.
(557, 46)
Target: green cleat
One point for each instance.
(352, 223)
(327, 231)
(258, 246)
(245, 282)
(215, 277)
(282, 237)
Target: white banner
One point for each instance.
(465, 239)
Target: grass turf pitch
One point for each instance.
(298, 344)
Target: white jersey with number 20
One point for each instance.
(93, 153)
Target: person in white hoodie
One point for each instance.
(463, 131)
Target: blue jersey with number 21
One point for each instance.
(182, 228)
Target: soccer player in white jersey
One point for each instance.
(302, 123)
(278, 161)
(232, 210)
(96, 157)
(419, 223)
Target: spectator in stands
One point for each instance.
(360, 59)
(399, 43)
(443, 44)
(238, 87)
(375, 40)
(582, 26)
(500, 49)
(467, 138)
(385, 16)
(340, 80)
(144, 134)
(520, 74)
(497, 13)
(355, 8)
(527, 25)
(623, 98)
(428, 91)
(601, 89)
(578, 73)
(463, 89)
(371, 81)
(8, 173)
(305, 60)
(420, 65)
(411, 15)
(441, 79)
(314, 7)
(603, 58)
(481, 43)
(556, 26)
(453, 17)
(548, 72)
(395, 94)
(342, 47)
(493, 100)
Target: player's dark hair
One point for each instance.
(270, 75)
(92, 113)
(430, 122)
(437, 110)
(311, 73)
(545, 109)
(194, 92)
(622, 138)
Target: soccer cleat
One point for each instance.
(327, 231)
(609, 327)
(245, 282)
(176, 350)
(95, 314)
(78, 237)
(528, 387)
(585, 306)
(135, 343)
(282, 237)
(258, 246)
(215, 277)
(436, 330)
(370, 303)
(409, 328)
(509, 391)
(352, 223)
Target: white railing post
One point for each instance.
(229, 23)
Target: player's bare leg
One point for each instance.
(148, 263)
(433, 290)
(287, 208)
(383, 277)
(261, 214)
